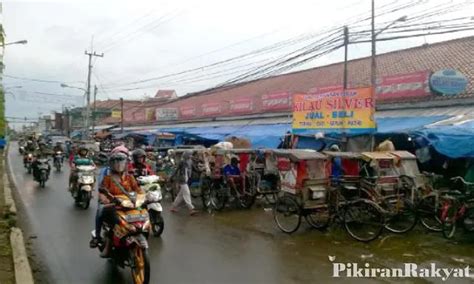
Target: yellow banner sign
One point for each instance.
(116, 114)
(350, 111)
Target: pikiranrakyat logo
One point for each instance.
(406, 270)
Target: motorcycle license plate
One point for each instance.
(43, 167)
(132, 218)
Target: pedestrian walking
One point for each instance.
(182, 176)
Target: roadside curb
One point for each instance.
(8, 194)
(23, 272)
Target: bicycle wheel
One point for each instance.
(429, 213)
(318, 219)
(450, 210)
(218, 197)
(363, 220)
(287, 214)
(402, 215)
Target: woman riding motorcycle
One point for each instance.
(113, 183)
(80, 159)
(139, 166)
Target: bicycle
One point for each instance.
(400, 212)
(429, 206)
(362, 218)
(458, 207)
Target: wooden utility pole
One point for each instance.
(88, 90)
(121, 115)
(346, 46)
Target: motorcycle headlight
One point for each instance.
(86, 188)
(87, 179)
(30, 156)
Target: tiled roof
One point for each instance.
(456, 54)
(166, 94)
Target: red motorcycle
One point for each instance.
(127, 240)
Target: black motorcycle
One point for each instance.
(43, 169)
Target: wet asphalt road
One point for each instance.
(233, 246)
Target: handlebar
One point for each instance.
(459, 178)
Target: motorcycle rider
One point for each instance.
(80, 159)
(114, 183)
(139, 167)
(42, 153)
(106, 170)
(29, 148)
(59, 148)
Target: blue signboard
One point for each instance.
(448, 82)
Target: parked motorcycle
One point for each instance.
(153, 202)
(28, 161)
(43, 171)
(127, 240)
(82, 189)
(58, 160)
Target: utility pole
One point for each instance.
(346, 45)
(93, 110)
(121, 115)
(373, 67)
(373, 73)
(88, 90)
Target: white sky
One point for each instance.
(138, 45)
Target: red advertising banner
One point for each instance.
(211, 108)
(278, 101)
(187, 111)
(404, 86)
(243, 105)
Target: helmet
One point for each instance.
(120, 149)
(83, 148)
(118, 162)
(137, 154)
(334, 148)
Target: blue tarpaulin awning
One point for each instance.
(451, 141)
(269, 135)
(405, 124)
